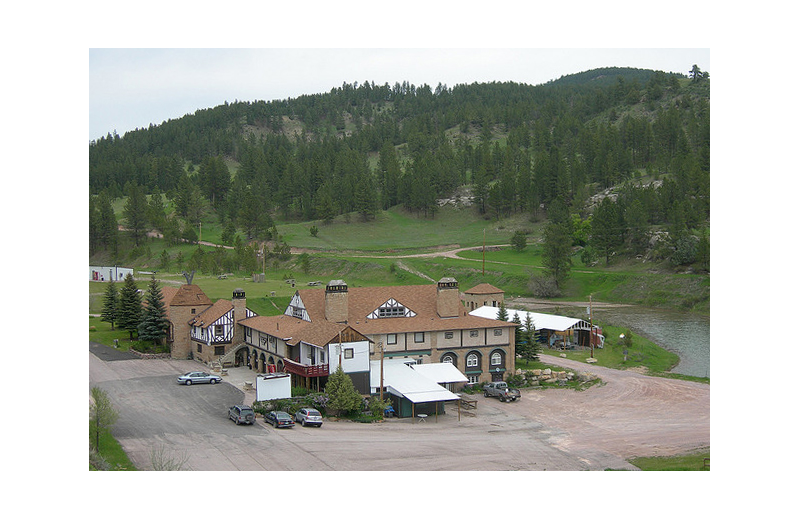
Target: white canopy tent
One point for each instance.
(560, 324)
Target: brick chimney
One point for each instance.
(239, 313)
(448, 300)
(336, 301)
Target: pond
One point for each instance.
(686, 334)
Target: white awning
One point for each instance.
(440, 372)
(403, 381)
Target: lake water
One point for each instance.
(686, 334)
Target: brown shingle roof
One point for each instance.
(283, 326)
(484, 288)
(190, 295)
(212, 314)
(421, 299)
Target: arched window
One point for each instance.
(472, 360)
(496, 359)
(449, 358)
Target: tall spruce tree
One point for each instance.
(154, 324)
(129, 313)
(110, 304)
(557, 246)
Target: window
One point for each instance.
(395, 311)
(219, 351)
(218, 330)
(497, 358)
(199, 348)
(472, 360)
(449, 358)
(248, 333)
(473, 378)
(448, 335)
(391, 339)
(498, 332)
(419, 337)
(193, 311)
(473, 334)
(348, 353)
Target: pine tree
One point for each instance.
(129, 312)
(110, 304)
(154, 324)
(502, 313)
(343, 395)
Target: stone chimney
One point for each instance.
(448, 300)
(336, 301)
(239, 313)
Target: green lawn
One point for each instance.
(694, 461)
(113, 454)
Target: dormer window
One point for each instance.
(392, 309)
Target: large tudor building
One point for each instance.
(340, 325)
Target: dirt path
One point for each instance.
(629, 415)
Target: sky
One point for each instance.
(132, 88)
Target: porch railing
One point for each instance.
(305, 370)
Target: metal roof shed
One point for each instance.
(409, 388)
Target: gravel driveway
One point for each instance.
(559, 429)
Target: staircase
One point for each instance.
(228, 359)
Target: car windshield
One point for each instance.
(282, 415)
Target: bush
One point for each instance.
(542, 286)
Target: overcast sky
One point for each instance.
(132, 88)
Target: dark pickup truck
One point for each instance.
(501, 390)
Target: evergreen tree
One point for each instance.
(531, 349)
(129, 312)
(136, 212)
(343, 395)
(110, 304)
(502, 313)
(154, 324)
(557, 246)
(606, 228)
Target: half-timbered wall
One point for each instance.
(221, 331)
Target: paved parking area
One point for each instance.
(547, 430)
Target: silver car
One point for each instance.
(308, 416)
(190, 378)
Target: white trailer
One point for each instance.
(108, 273)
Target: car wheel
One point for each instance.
(188, 382)
(213, 381)
(237, 420)
(486, 394)
(302, 422)
(502, 399)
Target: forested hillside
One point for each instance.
(363, 147)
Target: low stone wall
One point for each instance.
(547, 375)
(143, 355)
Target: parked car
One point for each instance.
(308, 416)
(190, 378)
(279, 419)
(241, 414)
(501, 390)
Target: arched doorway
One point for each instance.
(242, 357)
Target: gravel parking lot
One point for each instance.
(629, 415)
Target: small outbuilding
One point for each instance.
(411, 391)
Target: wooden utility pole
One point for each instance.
(380, 346)
(591, 328)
